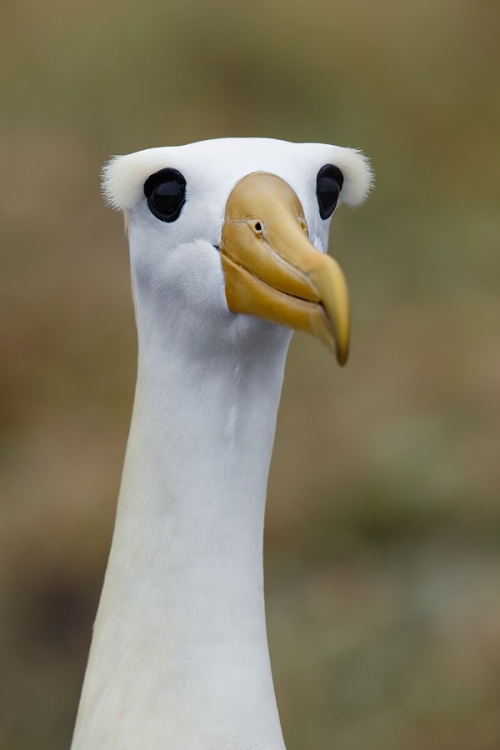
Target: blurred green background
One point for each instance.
(383, 526)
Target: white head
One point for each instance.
(179, 280)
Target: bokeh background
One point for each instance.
(383, 526)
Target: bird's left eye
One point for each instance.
(328, 186)
(166, 194)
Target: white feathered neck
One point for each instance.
(179, 657)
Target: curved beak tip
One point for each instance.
(342, 356)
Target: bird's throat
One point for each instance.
(179, 656)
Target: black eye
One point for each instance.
(166, 194)
(328, 186)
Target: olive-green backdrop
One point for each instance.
(383, 525)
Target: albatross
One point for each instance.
(228, 242)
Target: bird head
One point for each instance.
(236, 231)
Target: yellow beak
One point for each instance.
(273, 270)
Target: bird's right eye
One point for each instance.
(329, 183)
(166, 194)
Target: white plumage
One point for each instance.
(179, 657)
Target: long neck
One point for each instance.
(179, 658)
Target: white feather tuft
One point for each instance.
(123, 178)
(358, 175)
